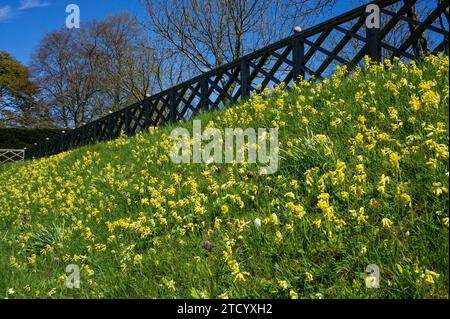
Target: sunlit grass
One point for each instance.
(363, 179)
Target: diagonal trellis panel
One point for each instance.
(312, 54)
(11, 155)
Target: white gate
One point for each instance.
(8, 155)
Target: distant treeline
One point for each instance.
(19, 138)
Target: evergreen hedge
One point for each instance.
(19, 138)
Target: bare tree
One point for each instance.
(211, 33)
(104, 66)
(65, 72)
(172, 67)
(129, 59)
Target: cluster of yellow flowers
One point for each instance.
(125, 202)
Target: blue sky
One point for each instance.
(24, 22)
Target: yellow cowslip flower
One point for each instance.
(240, 277)
(361, 119)
(394, 158)
(87, 233)
(430, 99)
(336, 122)
(305, 120)
(289, 195)
(399, 268)
(223, 296)
(278, 236)
(32, 259)
(13, 262)
(432, 162)
(298, 210)
(217, 222)
(293, 294)
(339, 173)
(324, 205)
(344, 195)
(320, 138)
(294, 184)
(309, 277)
(88, 270)
(283, 284)
(177, 217)
(445, 221)
(359, 96)
(100, 247)
(387, 223)
(373, 202)
(391, 87)
(162, 221)
(427, 85)
(406, 199)
(384, 180)
(359, 168)
(429, 277)
(289, 227)
(317, 223)
(171, 191)
(137, 260)
(181, 231)
(439, 189)
(51, 292)
(274, 219)
(224, 209)
(415, 103)
(235, 270)
(171, 285)
(361, 216)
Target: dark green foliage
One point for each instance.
(18, 138)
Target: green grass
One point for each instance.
(135, 222)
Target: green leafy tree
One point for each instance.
(17, 93)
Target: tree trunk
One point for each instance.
(420, 44)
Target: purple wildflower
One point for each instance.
(207, 245)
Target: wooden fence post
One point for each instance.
(83, 130)
(127, 121)
(95, 132)
(373, 48)
(172, 107)
(298, 55)
(245, 74)
(110, 127)
(147, 119)
(204, 94)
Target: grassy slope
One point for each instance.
(136, 223)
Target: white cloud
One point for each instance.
(30, 4)
(5, 13)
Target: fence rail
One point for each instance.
(312, 53)
(10, 155)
